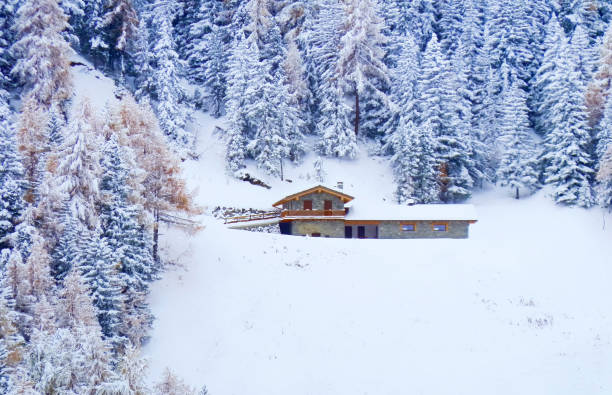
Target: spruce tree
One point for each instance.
(569, 166)
(543, 95)
(126, 237)
(95, 262)
(337, 135)
(78, 169)
(12, 181)
(517, 169)
(414, 165)
(168, 95)
(242, 62)
(360, 68)
(7, 38)
(214, 72)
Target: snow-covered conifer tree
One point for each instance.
(337, 135)
(360, 68)
(517, 168)
(215, 70)
(78, 169)
(99, 270)
(129, 241)
(43, 65)
(584, 52)
(242, 63)
(12, 181)
(414, 165)
(508, 39)
(7, 38)
(569, 166)
(549, 67)
(168, 94)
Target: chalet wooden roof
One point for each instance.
(318, 189)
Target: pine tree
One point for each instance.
(194, 31)
(215, 70)
(337, 138)
(585, 54)
(128, 240)
(68, 245)
(414, 165)
(43, 55)
(321, 41)
(12, 182)
(95, 261)
(569, 167)
(269, 146)
(78, 168)
(7, 39)
(167, 92)
(517, 169)
(121, 24)
(119, 218)
(508, 40)
(549, 67)
(242, 63)
(360, 68)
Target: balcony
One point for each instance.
(312, 213)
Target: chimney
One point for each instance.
(340, 185)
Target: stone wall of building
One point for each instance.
(327, 228)
(317, 202)
(424, 230)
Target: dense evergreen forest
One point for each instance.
(458, 94)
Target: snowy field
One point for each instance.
(522, 307)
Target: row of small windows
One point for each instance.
(434, 227)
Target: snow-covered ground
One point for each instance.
(522, 307)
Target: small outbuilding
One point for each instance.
(324, 212)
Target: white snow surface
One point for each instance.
(521, 307)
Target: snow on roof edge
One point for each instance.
(417, 212)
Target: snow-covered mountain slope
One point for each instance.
(522, 307)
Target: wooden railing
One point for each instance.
(252, 217)
(312, 213)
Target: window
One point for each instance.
(327, 205)
(408, 227)
(307, 204)
(439, 227)
(316, 235)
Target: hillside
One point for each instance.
(129, 128)
(520, 307)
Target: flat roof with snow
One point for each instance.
(417, 212)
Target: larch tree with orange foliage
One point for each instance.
(164, 189)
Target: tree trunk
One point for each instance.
(356, 113)
(517, 194)
(156, 236)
